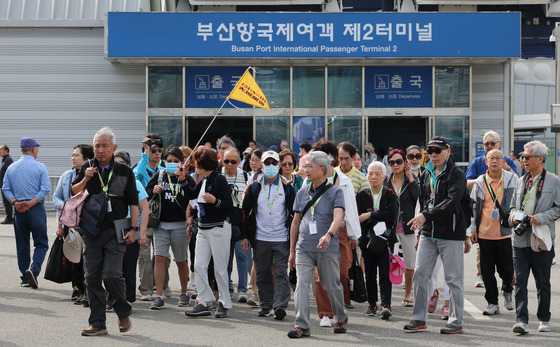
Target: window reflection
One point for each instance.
(272, 130)
(452, 86)
(165, 87)
(309, 87)
(345, 87)
(169, 128)
(275, 84)
(456, 130)
(343, 128)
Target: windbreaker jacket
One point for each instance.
(477, 194)
(446, 219)
(387, 212)
(407, 202)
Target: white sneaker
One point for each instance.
(544, 327)
(167, 292)
(326, 322)
(146, 297)
(491, 310)
(521, 328)
(508, 301)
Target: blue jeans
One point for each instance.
(241, 259)
(31, 223)
(525, 261)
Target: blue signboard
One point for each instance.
(308, 35)
(398, 86)
(208, 87)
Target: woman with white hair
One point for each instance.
(377, 209)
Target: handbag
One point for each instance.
(59, 269)
(155, 206)
(377, 243)
(72, 209)
(356, 284)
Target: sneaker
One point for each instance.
(167, 292)
(491, 310)
(146, 297)
(199, 310)
(325, 322)
(553, 261)
(7, 221)
(78, 301)
(350, 305)
(415, 325)
(451, 329)
(75, 295)
(445, 312)
(109, 306)
(93, 331)
(279, 313)
(194, 296)
(340, 328)
(265, 312)
(253, 299)
(372, 310)
(24, 283)
(221, 311)
(508, 301)
(479, 283)
(242, 297)
(157, 304)
(386, 312)
(432, 303)
(521, 328)
(544, 327)
(31, 278)
(184, 300)
(85, 300)
(296, 333)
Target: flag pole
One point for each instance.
(213, 119)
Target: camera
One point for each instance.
(522, 227)
(154, 142)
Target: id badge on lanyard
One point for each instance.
(495, 214)
(312, 227)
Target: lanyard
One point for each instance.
(313, 206)
(235, 180)
(376, 203)
(534, 185)
(432, 189)
(267, 196)
(104, 186)
(176, 192)
(491, 191)
(397, 190)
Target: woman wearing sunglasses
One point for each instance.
(414, 158)
(402, 182)
(288, 162)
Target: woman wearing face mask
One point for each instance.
(414, 157)
(171, 230)
(407, 189)
(288, 162)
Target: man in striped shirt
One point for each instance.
(347, 151)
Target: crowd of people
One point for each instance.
(291, 220)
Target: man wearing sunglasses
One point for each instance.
(477, 168)
(442, 227)
(237, 180)
(150, 163)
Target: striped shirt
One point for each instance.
(359, 180)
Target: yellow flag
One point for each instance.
(248, 91)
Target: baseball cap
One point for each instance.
(28, 142)
(439, 142)
(270, 154)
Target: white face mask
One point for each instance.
(270, 171)
(415, 167)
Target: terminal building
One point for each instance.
(389, 72)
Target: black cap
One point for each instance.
(439, 142)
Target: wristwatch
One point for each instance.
(331, 234)
(134, 228)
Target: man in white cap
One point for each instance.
(26, 185)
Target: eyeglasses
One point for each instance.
(268, 163)
(433, 150)
(494, 158)
(309, 167)
(490, 143)
(287, 164)
(76, 155)
(397, 162)
(526, 157)
(227, 161)
(417, 156)
(159, 150)
(255, 160)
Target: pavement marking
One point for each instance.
(474, 311)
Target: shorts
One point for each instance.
(408, 241)
(176, 238)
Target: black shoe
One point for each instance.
(31, 278)
(78, 301)
(7, 221)
(221, 311)
(85, 300)
(265, 312)
(415, 325)
(279, 313)
(24, 283)
(75, 295)
(157, 304)
(199, 310)
(296, 333)
(372, 310)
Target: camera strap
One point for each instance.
(539, 188)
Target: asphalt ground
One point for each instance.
(47, 317)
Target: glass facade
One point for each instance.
(345, 129)
(169, 128)
(272, 130)
(275, 84)
(345, 87)
(452, 86)
(309, 87)
(456, 130)
(165, 87)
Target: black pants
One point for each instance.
(7, 206)
(103, 258)
(496, 255)
(371, 263)
(130, 260)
